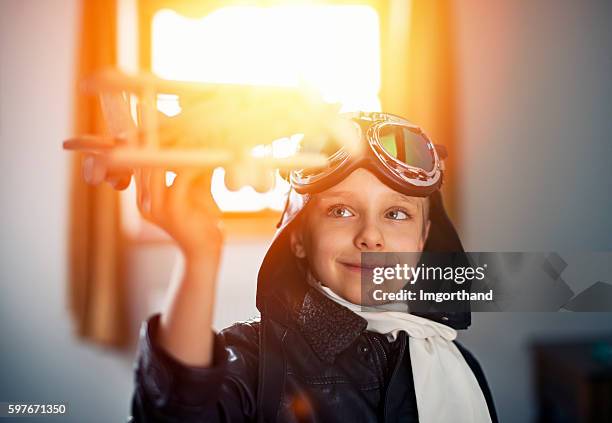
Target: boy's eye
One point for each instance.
(398, 214)
(339, 211)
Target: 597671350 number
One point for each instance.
(33, 409)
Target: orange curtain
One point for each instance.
(96, 269)
(418, 76)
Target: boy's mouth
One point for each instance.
(358, 267)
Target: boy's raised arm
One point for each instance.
(186, 319)
(182, 370)
(188, 213)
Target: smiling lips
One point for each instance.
(358, 268)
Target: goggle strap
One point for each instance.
(441, 150)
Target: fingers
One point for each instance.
(164, 206)
(119, 179)
(191, 188)
(94, 170)
(151, 194)
(120, 182)
(143, 197)
(201, 192)
(179, 192)
(157, 192)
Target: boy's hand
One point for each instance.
(95, 172)
(185, 210)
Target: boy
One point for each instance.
(314, 355)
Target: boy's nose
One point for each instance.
(370, 238)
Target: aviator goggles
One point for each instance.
(395, 150)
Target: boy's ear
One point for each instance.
(297, 243)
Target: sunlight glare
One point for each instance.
(333, 48)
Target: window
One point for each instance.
(334, 47)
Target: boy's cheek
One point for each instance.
(323, 272)
(327, 240)
(403, 241)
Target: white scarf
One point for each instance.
(445, 386)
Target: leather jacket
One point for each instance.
(307, 359)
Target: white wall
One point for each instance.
(535, 104)
(40, 360)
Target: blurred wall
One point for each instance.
(40, 360)
(535, 118)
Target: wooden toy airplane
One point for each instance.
(243, 128)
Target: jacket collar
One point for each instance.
(328, 327)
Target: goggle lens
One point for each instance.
(407, 146)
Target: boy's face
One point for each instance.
(360, 214)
